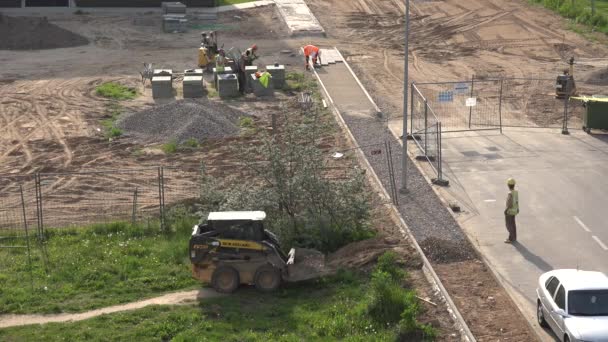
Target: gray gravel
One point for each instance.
(182, 120)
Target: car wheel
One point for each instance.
(225, 279)
(267, 278)
(540, 316)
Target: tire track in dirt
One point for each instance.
(177, 298)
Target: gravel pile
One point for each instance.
(181, 120)
(28, 33)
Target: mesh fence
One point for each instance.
(63, 200)
(480, 104)
(426, 131)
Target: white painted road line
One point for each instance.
(600, 242)
(490, 200)
(580, 223)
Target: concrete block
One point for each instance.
(259, 90)
(174, 23)
(173, 7)
(163, 72)
(193, 72)
(162, 87)
(193, 86)
(227, 70)
(249, 70)
(227, 85)
(278, 75)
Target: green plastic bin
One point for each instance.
(596, 113)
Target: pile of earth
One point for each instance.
(29, 33)
(182, 120)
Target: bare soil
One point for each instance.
(31, 33)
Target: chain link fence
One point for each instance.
(77, 199)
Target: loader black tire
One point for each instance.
(267, 278)
(225, 279)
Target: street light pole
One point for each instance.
(405, 98)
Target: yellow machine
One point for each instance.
(208, 51)
(233, 248)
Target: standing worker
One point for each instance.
(314, 52)
(246, 60)
(511, 211)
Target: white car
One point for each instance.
(574, 304)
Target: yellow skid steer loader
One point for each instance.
(233, 248)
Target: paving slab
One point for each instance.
(299, 18)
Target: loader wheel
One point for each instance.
(267, 278)
(225, 279)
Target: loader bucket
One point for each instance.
(304, 264)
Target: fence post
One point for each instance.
(500, 106)
(27, 237)
(566, 100)
(133, 215)
(471, 107)
(411, 112)
(440, 181)
(161, 204)
(426, 128)
(39, 213)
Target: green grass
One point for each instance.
(299, 81)
(232, 2)
(114, 111)
(95, 267)
(115, 91)
(579, 11)
(170, 147)
(173, 146)
(328, 309)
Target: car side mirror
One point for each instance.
(561, 313)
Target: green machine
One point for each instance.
(596, 112)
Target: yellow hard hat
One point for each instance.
(510, 181)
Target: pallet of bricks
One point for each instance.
(174, 17)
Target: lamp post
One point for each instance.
(405, 98)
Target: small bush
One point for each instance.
(387, 299)
(246, 122)
(116, 91)
(114, 132)
(191, 143)
(170, 147)
(387, 262)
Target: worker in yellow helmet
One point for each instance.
(511, 211)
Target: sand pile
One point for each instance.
(29, 33)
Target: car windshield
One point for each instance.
(588, 303)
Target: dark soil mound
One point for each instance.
(446, 251)
(29, 33)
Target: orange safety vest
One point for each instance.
(309, 49)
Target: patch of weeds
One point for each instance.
(299, 81)
(170, 147)
(211, 92)
(246, 122)
(191, 143)
(116, 91)
(114, 111)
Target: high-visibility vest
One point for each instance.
(514, 210)
(309, 49)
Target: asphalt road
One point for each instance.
(563, 186)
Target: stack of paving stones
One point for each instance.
(249, 70)
(226, 70)
(259, 90)
(193, 83)
(278, 75)
(227, 85)
(162, 84)
(174, 17)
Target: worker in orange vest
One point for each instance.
(314, 52)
